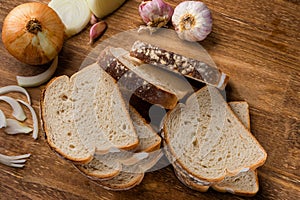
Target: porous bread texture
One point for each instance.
(58, 121)
(86, 113)
(83, 87)
(244, 183)
(210, 151)
(113, 113)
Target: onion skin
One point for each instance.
(38, 45)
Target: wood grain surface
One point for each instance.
(256, 42)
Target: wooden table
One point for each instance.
(257, 43)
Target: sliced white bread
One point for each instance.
(58, 121)
(210, 151)
(109, 165)
(244, 183)
(74, 105)
(191, 68)
(152, 84)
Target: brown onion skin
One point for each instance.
(29, 46)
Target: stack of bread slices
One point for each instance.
(88, 120)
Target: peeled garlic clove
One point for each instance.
(192, 20)
(74, 14)
(16, 127)
(34, 119)
(3, 122)
(18, 112)
(33, 81)
(15, 88)
(102, 8)
(97, 30)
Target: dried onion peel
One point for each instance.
(74, 14)
(32, 81)
(33, 33)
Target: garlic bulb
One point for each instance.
(33, 33)
(75, 14)
(192, 20)
(102, 8)
(155, 13)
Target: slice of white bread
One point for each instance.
(244, 183)
(109, 165)
(58, 121)
(188, 67)
(154, 85)
(69, 110)
(227, 148)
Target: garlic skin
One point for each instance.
(155, 13)
(33, 33)
(192, 21)
(97, 30)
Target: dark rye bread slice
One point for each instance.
(132, 82)
(195, 147)
(172, 61)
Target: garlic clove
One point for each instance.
(33, 81)
(34, 119)
(97, 30)
(93, 19)
(3, 122)
(74, 14)
(192, 20)
(18, 112)
(15, 88)
(15, 127)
